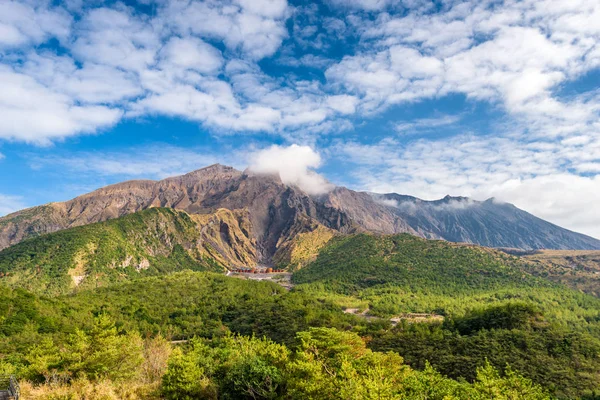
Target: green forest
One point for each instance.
(346, 330)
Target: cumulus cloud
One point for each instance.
(255, 28)
(30, 111)
(294, 164)
(509, 53)
(515, 54)
(192, 53)
(31, 22)
(116, 61)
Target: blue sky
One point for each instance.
(484, 98)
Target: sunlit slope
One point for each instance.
(363, 261)
(150, 242)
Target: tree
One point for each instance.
(104, 353)
(185, 380)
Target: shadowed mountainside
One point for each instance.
(487, 223)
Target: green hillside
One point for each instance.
(356, 262)
(150, 242)
(403, 273)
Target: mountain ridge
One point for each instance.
(439, 219)
(277, 210)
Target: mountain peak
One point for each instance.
(275, 212)
(448, 199)
(214, 168)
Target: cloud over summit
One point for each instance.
(294, 164)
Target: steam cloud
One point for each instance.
(294, 164)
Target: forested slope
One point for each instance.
(108, 343)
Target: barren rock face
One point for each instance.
(272, 206)
(487, 223)
(277, 211)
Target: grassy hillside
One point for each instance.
(393, 274)
(151, 242)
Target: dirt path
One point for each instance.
(409, 317)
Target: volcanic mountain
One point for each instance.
(277, 212)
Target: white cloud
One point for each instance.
(9, 204)
(32, 112)
(343, 103)
(294, 164)
(539, 177)
(116, 38)
(191, 53)
(134, 162)
(254, 27)
(407, 128)
(510, 53)
(91, 83)
(31, 22)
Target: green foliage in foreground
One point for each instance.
(565, 362)
(100, 352)
(140, 244)
(179, 305)
(325, 364)
(192, 304)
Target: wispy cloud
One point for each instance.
(9, 204)
(542, 178)
(149, 162)
(407, 128)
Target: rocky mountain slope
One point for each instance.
(486, 223)
(277, 212)
(151, 242)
